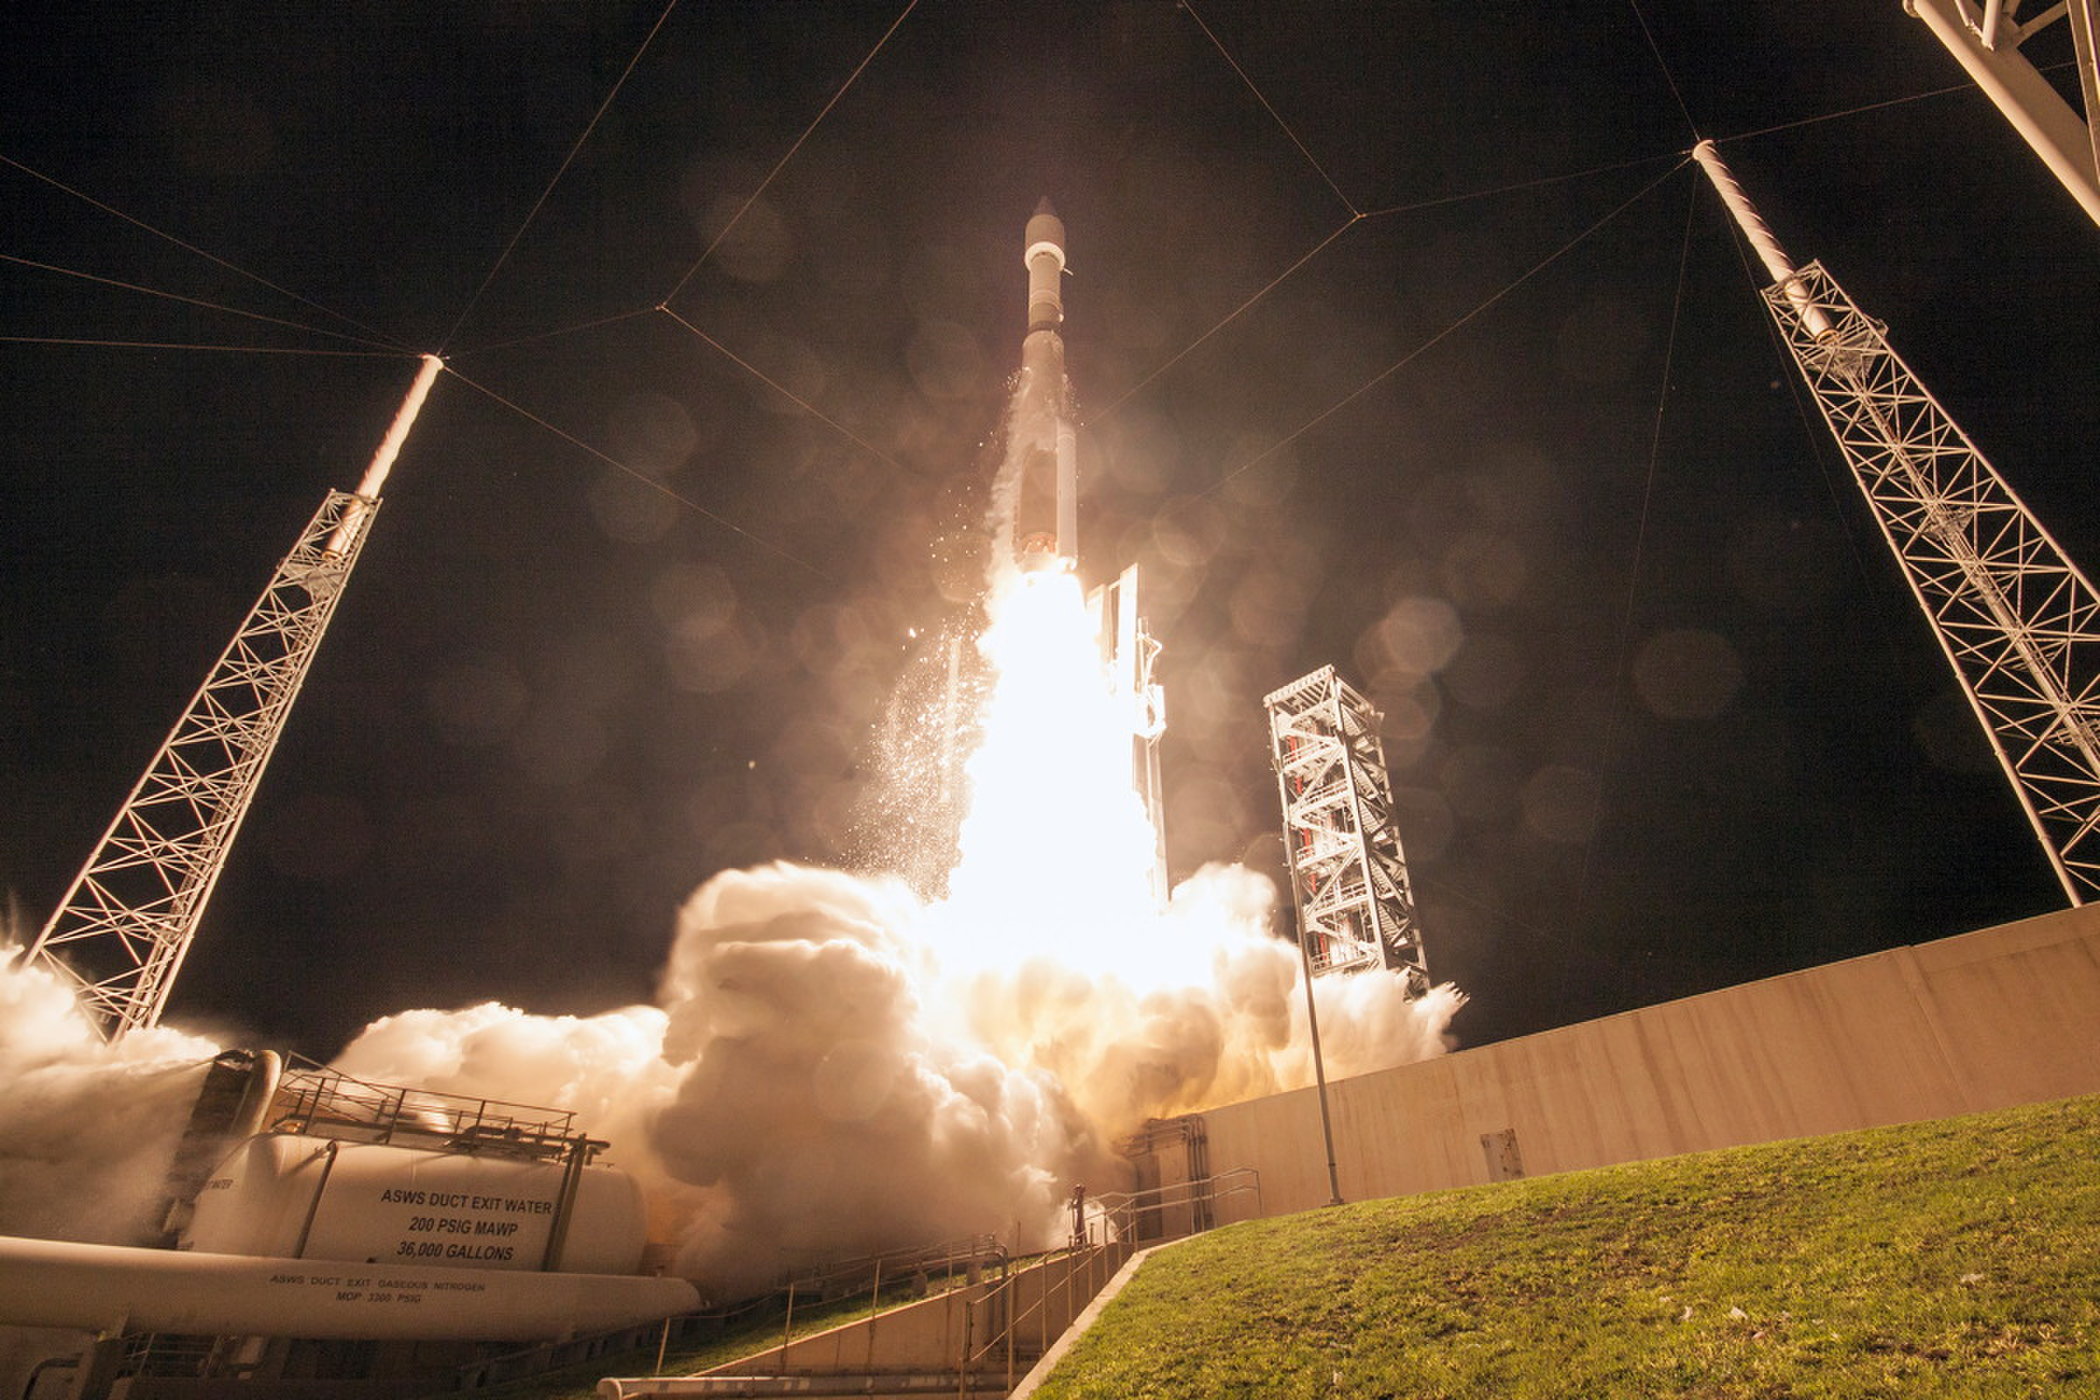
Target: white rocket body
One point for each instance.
(1043, 434)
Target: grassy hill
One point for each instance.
(1958, 1258)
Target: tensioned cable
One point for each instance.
(782, 389)
(641, 476)
(774, 173)
(1542, 180)
(1662, 63)
(1818, 440)
(1848, 112)
(1230, 317)
(1224, 53)
(196, 301)
(567, 160)
(187, 345)
(550, 335)
(193, 248)
(1285, 275)
(1640, 546)
(1354, 394)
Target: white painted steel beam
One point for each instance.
(1987, 45)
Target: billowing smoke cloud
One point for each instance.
(837, 1064)
(816, 1083)
(87, 1130)
(825, 1102)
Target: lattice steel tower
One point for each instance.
(124, 927)
(1356, 909)
(2015, 617)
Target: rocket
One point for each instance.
(1044, 440)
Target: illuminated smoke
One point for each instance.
(838, 1064)
(87, 1130)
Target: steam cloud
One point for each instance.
(837, 1064)
(89, 1128)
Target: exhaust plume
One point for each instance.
(837, 1064)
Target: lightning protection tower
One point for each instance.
(124, 927)
(2015, 617)
(1356, 908)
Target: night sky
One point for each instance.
(1663, 715)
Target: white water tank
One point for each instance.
(287, 1196)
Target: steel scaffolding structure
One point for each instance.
(1356, 907)
(2014, 616)
(120, 934)
(124, 927)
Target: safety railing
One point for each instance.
(1000, 1323)
(996, 1322)
(313, 1098)
(1126, 1213)
(844, 1277)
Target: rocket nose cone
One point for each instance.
(1042, 206)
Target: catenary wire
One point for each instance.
(538, 336)
(1360, 390)
(194, 301)
(804, 404)
(1285, 275)
(1818, 443)
(567, 160)
(1848, 112)
(641, 476)
(1606, 751)
(1233, 315)
(781, 165)
(1267, 106)
(188, 247)
(1540, 182)
(198, 345)
(1664, 65)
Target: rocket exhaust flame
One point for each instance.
(838, 1065)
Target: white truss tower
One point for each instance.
(2018, 621)
(1356, 907)
(120, 934)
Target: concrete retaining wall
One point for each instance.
(1984, 1020)
(1039, 1301)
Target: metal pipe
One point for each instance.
(313, 1207)
(874, 1311)
(369, 486)
(397, 433)
(1312, 1013)
(565, 1207)
(94, 1287)
(1776, 262)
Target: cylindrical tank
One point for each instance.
(49, 1283)
(291, 1196)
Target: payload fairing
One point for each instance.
(1044, 437)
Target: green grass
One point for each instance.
(1958, 1258)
